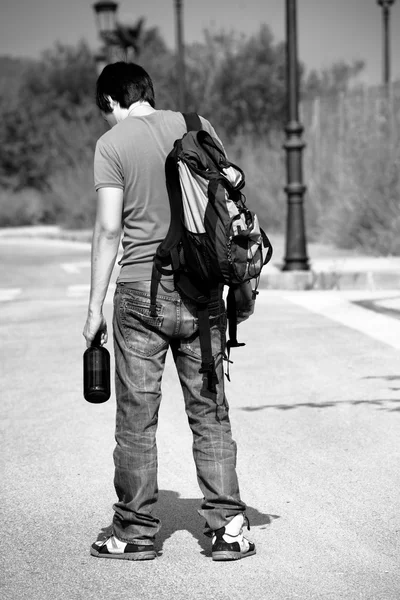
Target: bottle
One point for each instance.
(96, 372)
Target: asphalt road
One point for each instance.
(315, 409)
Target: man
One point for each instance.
(129, 172)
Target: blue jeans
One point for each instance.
(141, 342)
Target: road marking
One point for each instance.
(343, 309)
(389, 303)
(74, 291)
(8, 294)
(75, 267)
(81, 290)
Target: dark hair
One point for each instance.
(124, 82)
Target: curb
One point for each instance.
(334, 273)
(331, 280)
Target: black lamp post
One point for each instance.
(120, 42)
(386, 5)
(296, 254)
(181, 75)
(106, 15)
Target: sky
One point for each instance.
(328, 30)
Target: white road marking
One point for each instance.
(340, 307)
(75, 267)
(390, 303)
(74, 291)
(82, 290)
(7, 294)
(77, 292)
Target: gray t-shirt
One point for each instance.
(131, 156)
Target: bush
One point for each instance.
(351, 168)
(264, 168)
(73, 197)
(26, 207)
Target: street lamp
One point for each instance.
(181, 75)
(120, 42)
(386, 4)
(296, 254)
(106, 13)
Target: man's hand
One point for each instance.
(95, 322)
(244, 301)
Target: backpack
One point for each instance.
(213, 238)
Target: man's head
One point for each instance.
(122, 84)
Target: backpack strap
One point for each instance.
(232, 326)
(202, 298)
(193, 122)
(207, 359)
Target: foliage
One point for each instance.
(351, 168)
(331, 81)
(159, 62)
(238, 81)
(26, 207)
(49, 125)
(53, 123)
(12, 72)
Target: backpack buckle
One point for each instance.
(206, 367)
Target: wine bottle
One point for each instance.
(96, 372)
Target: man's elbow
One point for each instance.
(108, 233)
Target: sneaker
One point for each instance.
(229, 543)
(112, 547)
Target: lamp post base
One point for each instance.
(296, 265)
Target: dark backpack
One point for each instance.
(213, 237)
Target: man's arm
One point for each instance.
(105, 243)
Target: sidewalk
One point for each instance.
(330, 268)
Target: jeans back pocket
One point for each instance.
(141, 330)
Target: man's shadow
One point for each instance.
(180, 514)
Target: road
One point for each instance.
(315, 409)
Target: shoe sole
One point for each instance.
(230, 555)
(150, 555)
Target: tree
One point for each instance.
(159, 62)
(239, 81)
(337, 78)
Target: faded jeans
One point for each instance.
(140, 344)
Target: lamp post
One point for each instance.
(296, 254)
(386, 4)
(106, 14)
(181, 75)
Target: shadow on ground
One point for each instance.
(381, 403)
(384, 377)
(180, 514)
